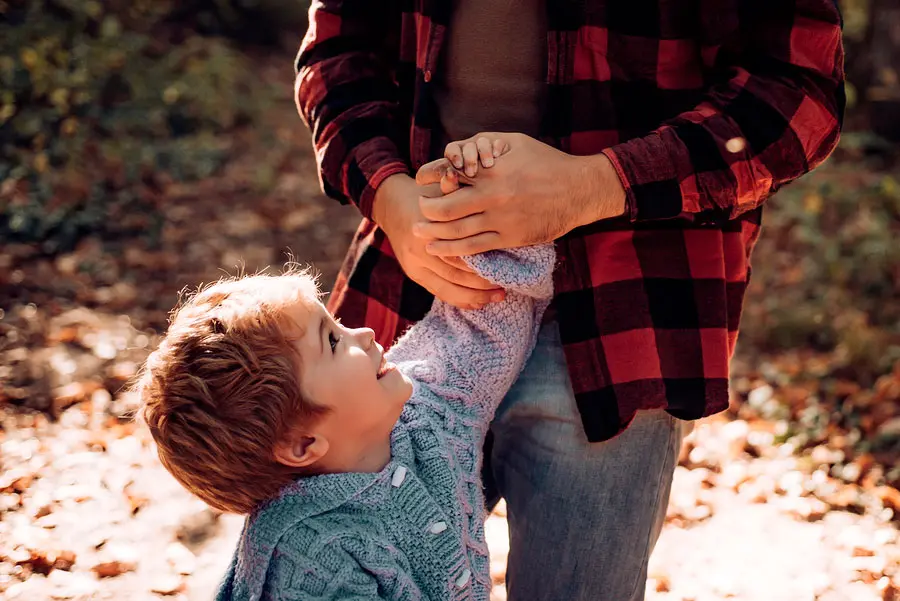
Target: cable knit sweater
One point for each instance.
(414, 530)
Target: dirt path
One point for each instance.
(100, 503)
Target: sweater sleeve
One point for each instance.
(321, 571)
(470, 359)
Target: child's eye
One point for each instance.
(333, 340)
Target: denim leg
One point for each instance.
(583, 517)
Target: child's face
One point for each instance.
(344, 370)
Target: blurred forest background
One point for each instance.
(150, 145)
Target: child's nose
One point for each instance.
(366, 337)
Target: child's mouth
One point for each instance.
(384, 369)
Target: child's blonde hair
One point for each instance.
(223, 387)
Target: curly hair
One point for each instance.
(223, 387)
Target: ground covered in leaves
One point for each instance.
(791, 495)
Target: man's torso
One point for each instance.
(648, 313)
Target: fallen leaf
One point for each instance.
(70, 394)
(110, 569)
(662, 584)
(121, 559)
(45, 509)
(168, 584)
(887, 589)
(65, 560)
(136, 501)
(16, 480)
(181, 558)
(44, 560)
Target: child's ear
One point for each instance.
(301, 450)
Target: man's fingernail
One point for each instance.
(470, 171)
(496, 153)
(488, 162)
(458, 163)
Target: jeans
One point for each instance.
(583, 517)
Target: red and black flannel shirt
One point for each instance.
(705, 108)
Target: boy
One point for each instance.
(360, 469)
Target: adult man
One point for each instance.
(663, 126)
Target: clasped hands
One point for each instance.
(516, 191)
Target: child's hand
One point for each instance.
(456, 156)
(465, 154)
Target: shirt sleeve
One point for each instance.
(774, 115)
(347, 95)
(470, 359)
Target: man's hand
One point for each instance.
(533, 194)
(396, 210)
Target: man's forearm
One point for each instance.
(596, 190)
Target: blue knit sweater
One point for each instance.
(414, 530)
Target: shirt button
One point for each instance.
(427, 76)
(438, 527)
(463, 579)
(398, 477)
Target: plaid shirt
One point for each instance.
(704, 108)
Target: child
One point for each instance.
(360, 469)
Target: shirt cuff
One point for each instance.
(652, 189)
(366, 201)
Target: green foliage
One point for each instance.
(856, 18)
(100, 106)
(827, 268)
